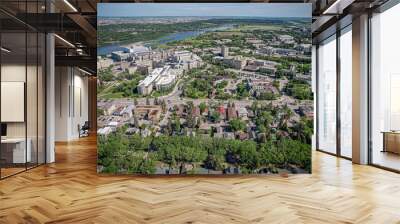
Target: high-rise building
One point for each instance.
(224, 51)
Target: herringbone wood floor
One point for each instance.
(70, 191)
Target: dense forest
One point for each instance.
(119, 153)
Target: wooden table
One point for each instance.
(391, 141)
(14, 151)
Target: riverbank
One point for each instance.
(165, 39)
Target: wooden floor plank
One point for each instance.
(70, 191)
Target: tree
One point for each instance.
(270, 155)
(190, 155)
(299, 89)
(242, 90)
(119, 153)
(106, 75)
(261, 128)
(176, 126)
(287, 113)
(304, 68)
(244, 155)
(169, 155)
(296, 153)
(203, 107)
(303, 130)
(215, 116)
(276, 84)
(237, 125)
(139, 162)
(267, 96)
(254, 107)
(222, 84)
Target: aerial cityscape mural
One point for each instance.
(204, 88)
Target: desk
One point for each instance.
(13, 150)
(391, 141)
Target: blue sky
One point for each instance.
(204, 9)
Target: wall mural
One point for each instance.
(204, 88)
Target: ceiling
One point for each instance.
(75, 21)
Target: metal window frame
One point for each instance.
(322, 37)
(338, 33)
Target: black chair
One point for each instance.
(84, 130)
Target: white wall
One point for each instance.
(12, 73)
(33, 125)
(71, 87)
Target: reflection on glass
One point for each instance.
(346, 92)
(327, 95)
(385, 92)
(22, 90)
(31, 97)
(41, 98)
(14, 153)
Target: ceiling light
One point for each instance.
(86, 72)
(5, 50)
(70, 5)
(79, 51)
(338, 6)
(65, 41)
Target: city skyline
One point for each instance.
(265, 10)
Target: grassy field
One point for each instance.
(256, 27)
(226, 34)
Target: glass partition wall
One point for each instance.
(385, 89)
(334, 94)
(327, 95)
(22, 77)
(345, 91)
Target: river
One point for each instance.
(166, 39)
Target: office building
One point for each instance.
(224, 51)
(120, 55)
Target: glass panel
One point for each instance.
(346, 92)
(327, 95)
(23, 87)
(385, 92)
(31, 98)
(13, 87)
(32, 88)
(41, 99)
